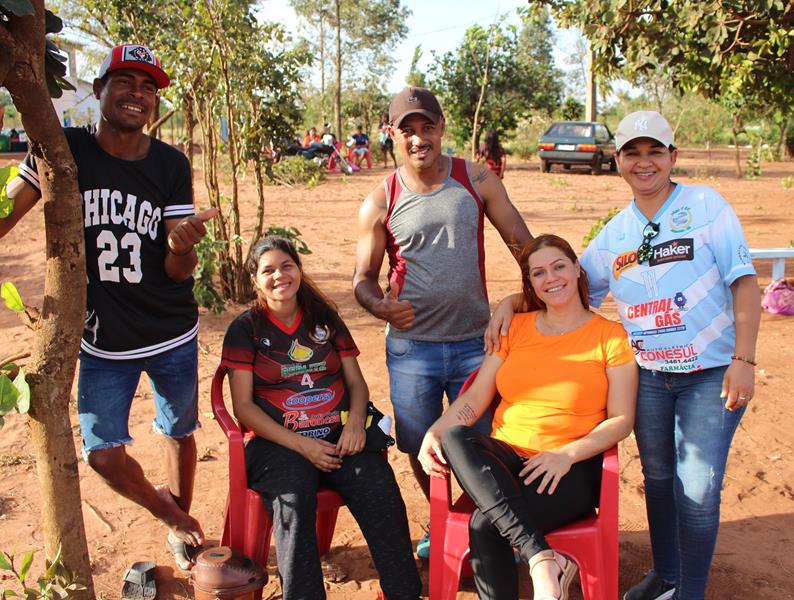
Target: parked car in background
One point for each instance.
(569, 143)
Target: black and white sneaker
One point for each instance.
(652, 587)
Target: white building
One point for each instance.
(79, 106)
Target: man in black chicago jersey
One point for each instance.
(140, 231)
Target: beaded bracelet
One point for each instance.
(744, 359)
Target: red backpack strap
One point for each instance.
(460, 173)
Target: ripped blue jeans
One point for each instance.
(684, 434)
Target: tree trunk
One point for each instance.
(737, 121)
(338, 98)
(154, 126)
(480, 100)
(190, 127)
(322, 69)
(57, 339)
(781, 140)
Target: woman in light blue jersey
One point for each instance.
(678, 267)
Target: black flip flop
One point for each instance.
(139, 582)
(184, 554)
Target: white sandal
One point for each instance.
(567, 572)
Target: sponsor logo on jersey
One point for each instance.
(298, 352)
(295, 420)
(290, 370)
(744, 254)
(680, 300)
(320, 334)
(681, 220)
(649, 308)
(309, 400)
(672, 354)
(624, 261)
(658, 331)
(673, 251)
(265, 342)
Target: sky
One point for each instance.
(437, 25)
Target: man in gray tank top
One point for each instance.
(428, 217)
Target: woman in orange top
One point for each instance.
(568, 383)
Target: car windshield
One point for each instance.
(571, 130)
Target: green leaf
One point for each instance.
(18, 8)
(9, 293)
(27, 561)
(7, 173)
(23, 401)
(5, 563)
(8, 395)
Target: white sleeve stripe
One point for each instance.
(29, 175)
(179, 210)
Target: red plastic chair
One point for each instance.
(247, 526)
(591, 542)
(367, 156)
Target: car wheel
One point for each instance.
(566, 166)
(545, 165)
(595, 166)
(613, 164)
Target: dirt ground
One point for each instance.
(753, 558)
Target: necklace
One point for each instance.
(548, 329)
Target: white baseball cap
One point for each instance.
(644, 124)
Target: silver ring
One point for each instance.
(744, 397)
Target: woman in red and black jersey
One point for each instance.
(296, 383)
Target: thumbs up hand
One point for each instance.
(399, 313)
(188, 232)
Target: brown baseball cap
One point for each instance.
(414, 100)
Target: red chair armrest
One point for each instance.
(608, 503)
(238, 482)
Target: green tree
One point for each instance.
(738, 51)
(365, 33)
(571, 110)
(31, 70)
(490, 82)
(415, 77)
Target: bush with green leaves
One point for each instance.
(297, 170)
(14, 389)
(598, 226)
(56, 581)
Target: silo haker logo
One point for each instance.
(673, 251)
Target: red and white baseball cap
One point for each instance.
(134, 56)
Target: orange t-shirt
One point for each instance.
(554, 388)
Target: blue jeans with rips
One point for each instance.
(683, 433)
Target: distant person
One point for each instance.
(428, 217)
(361, 145)
(567, 383)
(292, 345)
(385, 142)
(311, 137)
(493, 154)
(677, 264)
(140, 237)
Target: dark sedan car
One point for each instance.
(569, 143)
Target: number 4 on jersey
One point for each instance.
(307, 380)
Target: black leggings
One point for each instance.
(288, 484)
(510, 514)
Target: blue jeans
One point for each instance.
(105, 389)
(683, 433)
(419, 375)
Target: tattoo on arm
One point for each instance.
(466, 414)
(480, 177)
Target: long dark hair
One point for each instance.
(548, 240)
(317, 308)
(491, 148)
